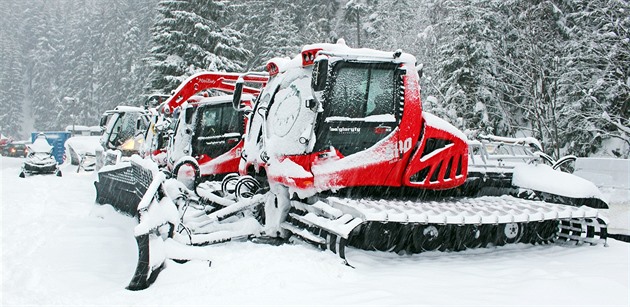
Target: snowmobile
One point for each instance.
(40, 159)
(337, 152)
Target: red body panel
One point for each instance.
(445, 167)
(223, 164)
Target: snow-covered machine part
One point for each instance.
(207, 136)
(163, 117)
(123, 136)
(123, 185)
(137, 188)
(171, 218)
(408, 226)
(517, 166)
(220, 81)
(82, 151)
(40, 159)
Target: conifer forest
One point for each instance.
(557, 70)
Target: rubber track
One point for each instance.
(403, 225)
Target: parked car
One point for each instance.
(4, 141)
(15, 149)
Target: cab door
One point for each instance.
(218, 129)
(360, 107)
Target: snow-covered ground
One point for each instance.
(59, 248)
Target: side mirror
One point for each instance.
(320, 74)
(238, 91)
(311, 103)
(103, 121)
(188, 115)
(420, 70)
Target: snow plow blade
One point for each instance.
(122, 186)
(143, 276)
(135, 188)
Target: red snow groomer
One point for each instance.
(340, 137)
(337, 152)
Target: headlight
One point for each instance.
(131, 144)
(128, 145)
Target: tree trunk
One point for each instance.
(358, 30)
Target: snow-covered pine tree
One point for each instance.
(430, 13)
(125, 41)
(392, 24)
(528, 54)
(270, 29)
(136, 43)
(279, 39)
(355, 14)
(48, 63)
(276, 28)
(11, 78)
(85, 58)
(192, 35)
(317, 19)
(594, 92)
(467, 66)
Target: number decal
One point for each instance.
(404, 146)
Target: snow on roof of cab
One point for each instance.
(129, 109)
(82, 128)
(362, 54)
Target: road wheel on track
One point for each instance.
(511, 233)
(470, 236)
(431, 237)
(246, 187)
(381, 236)
(546, 231)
